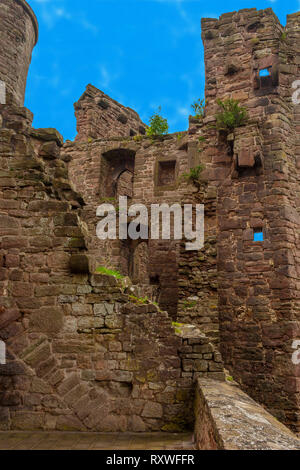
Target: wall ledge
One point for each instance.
(228, 419)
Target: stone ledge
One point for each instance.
(228, 419)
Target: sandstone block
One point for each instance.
(27, 420)
(152, 410)
(47, 320)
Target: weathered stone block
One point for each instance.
(114, 321)
(49, 150)
(246, 157)
(152, 410)
(82, 309)
(8, 315)
(27, 420)
(68, 384)
(47, 320)
(39, 354)
(101, 280)
(69, 423)
(201, 365)
(90, 322)
(47, 135)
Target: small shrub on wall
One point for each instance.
(232, 115)
(157, 125)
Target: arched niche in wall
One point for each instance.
(124, 184)
(139, 263)
(117, 171)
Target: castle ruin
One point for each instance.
(82, 353)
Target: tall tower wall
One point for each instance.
(250, 57)
(18, 36)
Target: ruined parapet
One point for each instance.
(99, 116)
(227, 419)
(237, 46)
(19, 34)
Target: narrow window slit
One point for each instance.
(264, 73)
(258, 235)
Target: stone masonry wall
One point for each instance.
(19, 34)
(84, 352)
(197, 277)
(81, 355)
(99, 116)
(256, 174)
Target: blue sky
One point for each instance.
(143, 53)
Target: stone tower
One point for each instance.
(250, 57)
(19, 34)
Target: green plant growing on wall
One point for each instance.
(199, 108)
(138, 138)
(177, 327)
(189, 304)
(109, 272)
(232, 115)
(157, 125)
(108, 200)
(193, 176)
(254, 41)
(139, 300)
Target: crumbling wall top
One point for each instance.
(245, 18)
(99, 116)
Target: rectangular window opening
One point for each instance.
(264, 73)
(166, 173)
(258, 235)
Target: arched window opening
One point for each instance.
(117, 171)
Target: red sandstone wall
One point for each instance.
(69, 336)
(93, 168)
(81, 355)
(99, 116)
(19, 32)
(258, 282)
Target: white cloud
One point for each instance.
(52, 11)
(61, 13)
(107, 77)
(183, 111)
(89, 26)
